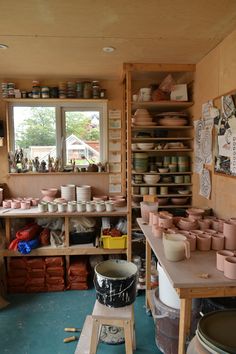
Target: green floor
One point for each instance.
(34, 324)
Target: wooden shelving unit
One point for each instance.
(141, 75)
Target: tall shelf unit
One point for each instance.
(135, 77)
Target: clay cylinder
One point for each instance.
(229, 231)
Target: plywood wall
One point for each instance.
(216, 75)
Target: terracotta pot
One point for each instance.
(203, 242)
(230, 267)
(192, 239)
(157, 231)
(220, 257)
(229, 231)
(204, 224)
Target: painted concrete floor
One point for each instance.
(34, 324)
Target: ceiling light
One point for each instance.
(108, 49)
(3, 46)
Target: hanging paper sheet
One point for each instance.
(205, 184)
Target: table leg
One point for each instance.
(184, 323)
(148, 270)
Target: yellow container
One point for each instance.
(110, 242)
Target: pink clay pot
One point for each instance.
(203, 242)
(217, 242)
(220, 258)
(230, 267)
(229, 231)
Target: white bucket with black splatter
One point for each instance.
(115, 282)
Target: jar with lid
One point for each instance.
(35, 89)
(87, 89)
(96, 89)
(45, 92)
(102, 93)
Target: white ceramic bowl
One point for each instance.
(151, 179)
(145, 146)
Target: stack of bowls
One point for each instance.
(83, 193)
(68, 192)
(142, 117)
(140, 162)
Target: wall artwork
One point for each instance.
(225, 137)
(205, 183)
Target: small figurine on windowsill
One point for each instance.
(42, 167)
(36, 164)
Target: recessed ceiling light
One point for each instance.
(108, 49)
(3, 46)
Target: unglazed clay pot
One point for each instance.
(229, 231)
(203, 242)
(220, 258)
(192, 239)
(230, 267)
(217, 242)
(157, 231)
(165, 221)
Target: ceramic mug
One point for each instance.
(109, 206)
(62, 207)
(229, 231)
(81, 207)
(220, 258)
(230, 267)
(176, 247)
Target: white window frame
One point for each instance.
(60, 109)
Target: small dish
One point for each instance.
(179, 201)
(163, 170)
(183, 191)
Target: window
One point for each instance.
(76, 133)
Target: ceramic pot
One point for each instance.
(157, 231)
(204, 242)
(217, 242)
(176, 247)
(230, 267)
(204, 224)
(81, 207)
(25, 205)
(62, 207)
(192, 239)
(165, 222)
(220, 258)
(229, 231)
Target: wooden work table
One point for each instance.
(188, 278)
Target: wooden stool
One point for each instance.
(120, 317)
(102, 315)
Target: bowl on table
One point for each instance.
(151, 179)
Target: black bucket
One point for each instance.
(115, 282)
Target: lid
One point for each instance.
(217, 328)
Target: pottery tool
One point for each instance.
(70, 339)
(72, 329)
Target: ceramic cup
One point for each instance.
(25, 204)
(230, 267)
(6, 203)
(192, 239)
(81, 207)
(71, 207)
(157, 231)
(42, 207)
(109, 206)
(220, 258)
(62, 207)
(217, 242)
(100, 207)
(52, 207)
(15, 204)
(35, 201)
(229, 231)
(90, 207)
(203, 242)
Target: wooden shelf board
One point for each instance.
(162, 105)
(161, 127)
(161, 184)
(30, 174)
(136, 140)
(166, 195)
(166, 206)
(63, 251)
(53, 100)
(159, 173)
(164, 150)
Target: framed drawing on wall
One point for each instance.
(225, 136)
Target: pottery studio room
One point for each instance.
(118, 177)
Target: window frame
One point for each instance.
(60, 109)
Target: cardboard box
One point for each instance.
(179, 93)
(150, 198)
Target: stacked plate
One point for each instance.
(83, 193)
(142, 118)
(172, 118)
(68, 192)
(215, 331)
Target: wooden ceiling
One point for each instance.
(64, 38)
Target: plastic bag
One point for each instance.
(57, 238)
(81, 223)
